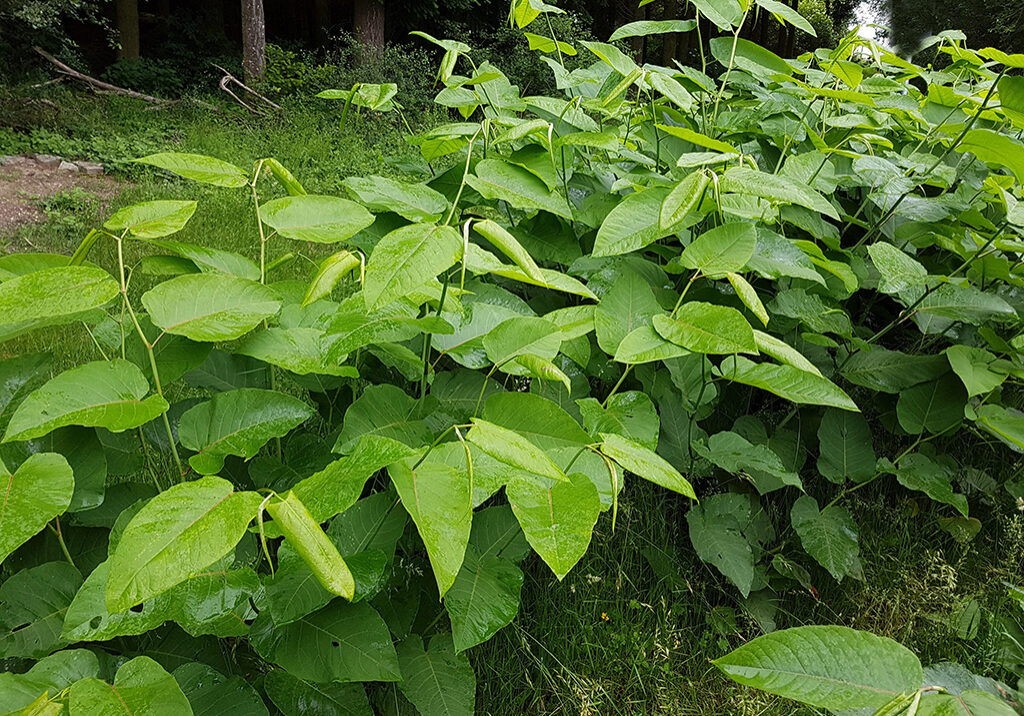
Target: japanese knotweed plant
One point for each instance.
(774, 286)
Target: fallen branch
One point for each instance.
(229, 79)
(106, 87)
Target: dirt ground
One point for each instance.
(24, 183)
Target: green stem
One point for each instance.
(60, 540)
(149, 351)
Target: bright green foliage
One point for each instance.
(105, 394)
(825, 666)
(760, 285)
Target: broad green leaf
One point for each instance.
(308, 539)
(51, 674)
(899, 271)
(671, 89)
(519, 336)
(53, 296)
(212, 694)
(971, 702)
(784, 12)
(715, 528)
(634, 223)
(439, 499)
(384, 410)
(297, 697)
(892, 371)
(644, 345)
(951, 302)
(141, 688)
(783, 352)
(647, 464)
(406, 259)
(935, 406)
(498, 180)
(107, 394)
(483, 599)
(845, 450)
(994, 148)
(723, 249)
(513, 449)
(726, 14)
(831, 667)
(776, 256)
(828, 535)
(776, 189)
(437, 680)
(339, 485)
(210, 260)
(546, 44)
(707, 328)
(919, 472)
(684, 198)
(309, 217)
(644, 28)
(629, 304)
(541, 421)
(34, 602)
(152, 219)
(174, 536)
(198, 168)
(415, 202)
(507, 244)
(737, 455)
(540, 368)
(630, 414)
(212, 602)
(558, 521)
(748, 56)
(332, 270)
(39, 490)
(210, 307)
(701, 140)
(785, 381)
(19, 375)
(341, 642)
(1007, 425)
(977, 368)
(238, 422)
(374, 96)
(297, 349)
(83, 451)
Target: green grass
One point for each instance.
(634, 627)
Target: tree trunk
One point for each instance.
(321, 21)
(368, 20)
(626, 11)
(254, 40)
(670, 42)
(127, 17)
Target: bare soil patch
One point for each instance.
(24, 183)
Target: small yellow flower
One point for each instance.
(605, 617)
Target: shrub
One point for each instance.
(766, 291)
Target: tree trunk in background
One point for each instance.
(626, 11)
(321, 21)
(791, 38)
(368, 20)
(254, 40)
(127, 12)
(670, 43)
